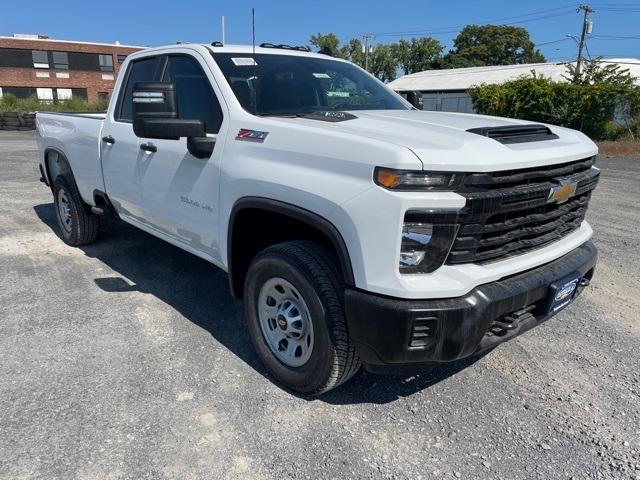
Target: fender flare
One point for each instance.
(297, 213)
(63, 162)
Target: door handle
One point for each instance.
(149, 147)
(109, 139)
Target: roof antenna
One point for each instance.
(255, 71)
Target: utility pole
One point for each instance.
(367, 37)
(586, 28)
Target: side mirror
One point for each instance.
(414, 98)
(155, 115)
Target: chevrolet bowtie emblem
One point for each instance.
(562, 192)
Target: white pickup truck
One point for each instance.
(358, 230)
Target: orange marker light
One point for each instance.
(387, 178)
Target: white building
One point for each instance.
(446, 90)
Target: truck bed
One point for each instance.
(77, 137)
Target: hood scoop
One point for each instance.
(516, 133)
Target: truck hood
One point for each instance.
(441, 140)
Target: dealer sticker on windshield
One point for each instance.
(244, 62)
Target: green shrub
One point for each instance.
(589, 106)
(9, 103)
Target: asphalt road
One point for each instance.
(128, 359)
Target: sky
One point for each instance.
(616, 31)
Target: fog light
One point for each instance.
(425, 246)
(415, 239)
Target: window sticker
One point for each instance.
(321, 75)
(244, 62)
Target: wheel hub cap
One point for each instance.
(285, 322)
(64, 210)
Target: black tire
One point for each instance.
(315, 273)
(81, 225)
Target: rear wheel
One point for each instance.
(295, 313)
(77, 223)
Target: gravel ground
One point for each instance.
(128, 359)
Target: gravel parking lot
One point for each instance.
(128, 359)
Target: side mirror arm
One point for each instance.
(201, 147)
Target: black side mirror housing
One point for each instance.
(155, 115)
(201, 147)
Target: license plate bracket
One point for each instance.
(562, 292)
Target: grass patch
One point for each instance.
(620, 147)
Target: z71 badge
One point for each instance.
(251, 135)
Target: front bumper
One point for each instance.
(393, 332)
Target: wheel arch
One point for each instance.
(61, 166)
(249, 209)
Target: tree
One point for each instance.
(456, 61)
(417, 55)
(382, 63)
(329, 41)
(353, 51)
(495, 45)
(596, 71)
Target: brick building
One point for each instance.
(58, 69)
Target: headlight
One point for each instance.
(425, 246)
(415, 180)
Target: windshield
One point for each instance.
(292, 85)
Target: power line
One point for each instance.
(551, 42)
(616, 37)
(455, 28)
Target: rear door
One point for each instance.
(180, 191)
(123, 163)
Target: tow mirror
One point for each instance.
(414, 98)
(155, 115)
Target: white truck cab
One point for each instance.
(358, 229)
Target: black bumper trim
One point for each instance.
(382, 327)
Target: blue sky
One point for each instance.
(143, 22)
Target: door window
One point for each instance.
(196, 99)
(143, 70)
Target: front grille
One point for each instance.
(509, 213)
(524, 176)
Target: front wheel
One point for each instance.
(294, 303)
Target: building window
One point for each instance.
(64, 94)
(121, 59)
(19, 92)
(61, 60)
(40, 59)
(45, 95)
(80, 93)
(106, 63)
(103, 96)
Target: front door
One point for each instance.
(180, 191)
(123, 163)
